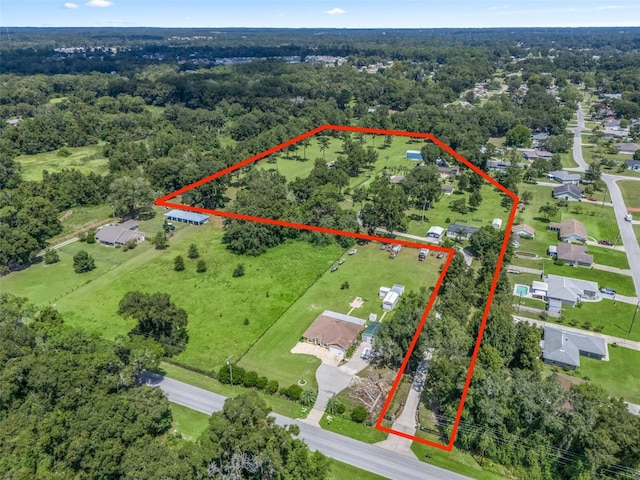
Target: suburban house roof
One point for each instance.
(447, 170)
(569, 289)
(570, 228)
(187, 216)
(335, 328)
(566, 347)
(633, 163)
(446, 187)
(573, 253)
(569, 189)
(564, 176)
(455, 228)
(128, 225)
(541, 286)
(523, 228)
(113, 234)
(372, 329)
(627, 147)
(533, 154)
(539, 136)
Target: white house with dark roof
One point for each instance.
(568, 192)
(564, 177)
(563, 348)
(568, 291)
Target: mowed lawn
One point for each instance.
(86, 159)
(630, 193)
(365, 272)
(217, 303)
(620, 376)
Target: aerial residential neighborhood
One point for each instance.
(343, 242)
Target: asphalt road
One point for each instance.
(359, 454)
(631, 247)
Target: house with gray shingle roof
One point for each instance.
(568, 291)
(563, 348)
(118, 235)
(568, 192)
(564, 177)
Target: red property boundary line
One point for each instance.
(164, 201)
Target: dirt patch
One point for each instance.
(66, 215)
(633, 209)
(566, 381)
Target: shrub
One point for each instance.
(350, 351)
(238, 374)
(239, 271)
(201, 267)
(294, 392)
(63, 152)
(83, 262)
(51, 256)
(340, 408)
(250, 379)
(359, 414)
(272, 387)
(160, 241)
(308, 398)
(586, 325)
(193, 251)
(262, 383)
(598, 328)
(178, 263)
(344, 286)
(246, 321)
(334, 404)
(91, 238)
(129, 245)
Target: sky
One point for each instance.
(319, 13)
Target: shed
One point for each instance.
(390, 300)
(192, 218)
(399, 289)
(383, 291)
(396, 248)
(414, 155)
(369, 334)
(435, 232)
(497, 223)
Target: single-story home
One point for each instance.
(568, 192)
(564, 177)
(119, 234)
(414, 155)
(523, 229)
(446, 189)
(569, 230)
(371, 332)
(192, 218)
(574, 255)
(462, 232)
(628, 148)
(334, 331)
(390, 300)
(498, 165)
(567, 291)
(633, 165)
(446, 172)
(435, 232)
(539, 137)
(14, 121)
(564, 348)
(535, 154)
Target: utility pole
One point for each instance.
(230, 371)
(634, 316)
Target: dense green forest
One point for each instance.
(161, 113)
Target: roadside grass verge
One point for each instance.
(189, 423)
(358, 431)
(630, 193)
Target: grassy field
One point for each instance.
(190, 423)
(614, 376)
(344, 471)
(365, 272)
(488, 210)
(630, 193)
(348, 428)
(615, 319)
(86, 159)
(636, 230)
(567, 160)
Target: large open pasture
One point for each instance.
(86, 159)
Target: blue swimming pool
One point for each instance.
(521, 290)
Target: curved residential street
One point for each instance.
(374, 459)
(629, 240)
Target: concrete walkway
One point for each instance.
(621, 342)
(535, 271)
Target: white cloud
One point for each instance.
(99, 3)
(611, 7)
(335, 11)
(280, 15)
(70, 5)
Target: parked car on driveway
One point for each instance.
(440, 255)
(334, 268)
(608, 291)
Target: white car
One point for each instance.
(353, 251)
(628, 217)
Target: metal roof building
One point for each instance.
(191, 218)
